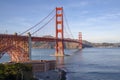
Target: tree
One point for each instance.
(16, 71)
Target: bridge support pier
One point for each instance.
(59, 49)
(59, 32)
(80, 40)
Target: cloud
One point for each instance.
(77, 4)
(102, 38)
(16, 24)
(102, 19)
(84, 3)
(20, 21)
(103, 27)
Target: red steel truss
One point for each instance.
(15, 46)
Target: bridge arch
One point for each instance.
(15, 46)
(18, 54)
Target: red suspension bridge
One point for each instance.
(18, 46)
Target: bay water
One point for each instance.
(85, 64)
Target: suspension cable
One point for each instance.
(43, 26)
(38, 22)
(68, 26)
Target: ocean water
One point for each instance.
(94, 64)
(87, 64)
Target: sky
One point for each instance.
(98, 20)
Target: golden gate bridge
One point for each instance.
(18, 46)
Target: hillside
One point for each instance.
(52, 45)
(86, 44)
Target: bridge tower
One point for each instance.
(59, 32)
(80, 40)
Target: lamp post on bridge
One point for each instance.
(29, 45)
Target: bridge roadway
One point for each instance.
(33, 38)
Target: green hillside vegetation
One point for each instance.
(16, 71)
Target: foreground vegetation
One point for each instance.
(16, 71)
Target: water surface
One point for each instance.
(87, 64)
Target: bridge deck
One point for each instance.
(52, 39)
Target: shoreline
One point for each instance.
(57, 74)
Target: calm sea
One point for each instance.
(87, 64)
